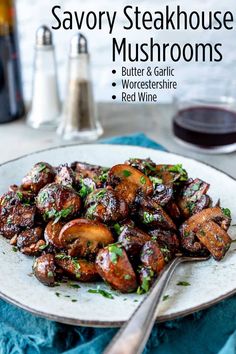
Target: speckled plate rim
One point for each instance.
(113, 324)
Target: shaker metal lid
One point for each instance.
(44, 36)
(78, 45)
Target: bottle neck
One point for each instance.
(7, 16)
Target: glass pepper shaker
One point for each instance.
(45, 108)
(79, 120)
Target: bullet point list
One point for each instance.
(113, 84)
(113, 97)
(113, 71)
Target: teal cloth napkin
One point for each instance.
(206, 332)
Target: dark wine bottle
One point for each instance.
(11, 97)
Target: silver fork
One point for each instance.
(134, 334)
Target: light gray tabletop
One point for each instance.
(17, 139)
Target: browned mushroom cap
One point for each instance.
(79, 269)
(30, 241)
(153, 216)
(14, 215)
(106, 206)
(169, 174)
(146, 166)
(56, 201)
(214, 238)
(193, 198)
(190, 227)
(133, 239)
(44, 269)
(65, 176)
(166, 239)
(152, 256)
(41, 174)
(114, 267)
(83, 237)
(51, 233)
(215, 214)
(128, 181)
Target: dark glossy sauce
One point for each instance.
(11, 99)
(206, 126)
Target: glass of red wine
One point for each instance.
(206, 121)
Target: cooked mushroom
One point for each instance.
(65, 176)
(41, 174)
(166, 239)
(106, 206)
(128, 181)
(146, 279)
(114, 267)
(78, 269)
(190, 227)
(146, 166)
(214, 238)
(51, 233)
(56, 202)
(30, 241)
(153, 257)
(82, 237)
(133, 239)
(171, 174)
(14, 214)
(44, 269)
(151, 215)
(193, 198)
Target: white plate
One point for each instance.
(210, 281)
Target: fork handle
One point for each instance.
(134, 334)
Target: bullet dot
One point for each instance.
(113, 84)
(113, 97)
(113, 71)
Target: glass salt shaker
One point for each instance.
(45, 108)
(79, 119)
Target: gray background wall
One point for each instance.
(32, 13)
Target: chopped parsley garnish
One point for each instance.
(190, 206)
(186, 233)
(117, 229)
(90, 211)
(41, 167)
(196, 186)
(101, 292)
(147, 217)
(19, 195)
(126, 173)
(58, 214)
(14, 249)
(75, 286)
(127, 277)
(74, 300)
(143, 180)
(62, 256)
(50, 274)
(156, 181)
(103, 177)
(42, 247)
(165, 297)
(114, 252)
(85, 189)
(183, 283)
(9, 220)
(226, 212)
(99, 195)
(151, 168)
(179, 169)
(58, 294)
